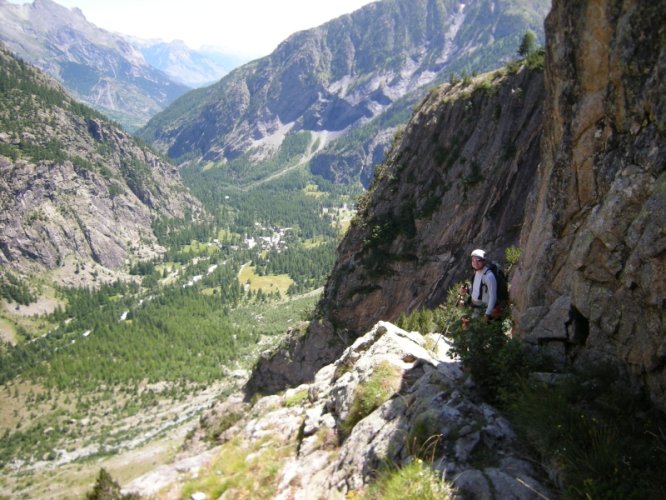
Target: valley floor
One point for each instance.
(154, 446)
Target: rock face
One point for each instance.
(75, 189)
(429, 410)
(458, 179)
(376, 62)
(591, 284)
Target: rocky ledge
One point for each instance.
(430, 412)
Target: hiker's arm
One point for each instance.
(491, 283)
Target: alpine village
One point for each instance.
(259, 280)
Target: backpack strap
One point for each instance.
(483, 283)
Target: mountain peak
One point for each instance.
(98, 67)
(56, 13)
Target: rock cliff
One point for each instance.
(591, 285)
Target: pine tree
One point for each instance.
(528, 44)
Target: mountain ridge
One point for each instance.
(333, 78)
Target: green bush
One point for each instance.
(216, 428)
(536, 60)
(606, 442)
(421, 320)
(107, 489)
(485, 87)
(495, 361)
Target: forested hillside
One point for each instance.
(76, 190)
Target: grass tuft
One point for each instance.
(416, 480)
(369, 395)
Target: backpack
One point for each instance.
(502, 282)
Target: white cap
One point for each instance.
(479, 253)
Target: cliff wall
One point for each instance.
(590, 286)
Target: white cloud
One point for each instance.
(249, 28)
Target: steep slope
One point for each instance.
(100, 68)
(339, 76)
(74, 188)
(591, 283)
(458, 179)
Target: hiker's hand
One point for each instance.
(487, 318)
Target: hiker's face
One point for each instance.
(477, 263)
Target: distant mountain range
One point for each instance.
(125, 78)
(348, 85)
(193, 68)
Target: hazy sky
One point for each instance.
(249, 28)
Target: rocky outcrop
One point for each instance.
(458, 179)
(429, 410)
(591, 284)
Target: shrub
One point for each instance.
(107, 489)
(215, 429)
(606, 442)
(496, 362)
(527, 44)
(493, 359)
(536, 60)
(485, 87)
(421, 320)
(512, 256)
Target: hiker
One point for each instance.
(484, 289)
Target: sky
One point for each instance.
(245, 28)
